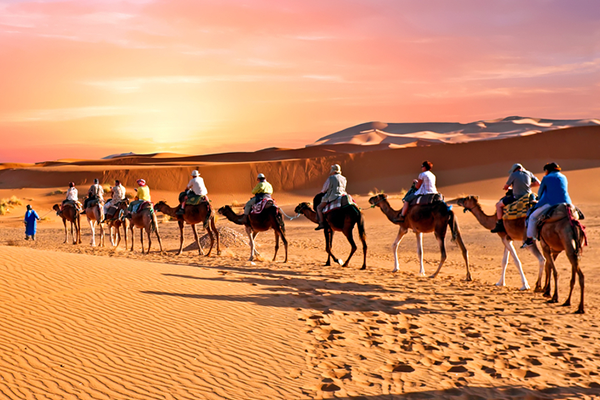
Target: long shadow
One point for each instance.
(496, 392)
(323, 296)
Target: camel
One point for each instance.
(94, 215)
(343, 220)
(193, 215)
(70, 213)
(435, 217)
(568, 235)
(269, 218)
(116, 222)
(515, 230)
(145, 219)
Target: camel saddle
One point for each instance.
(193, 199)
(340, 202)
(560, 211)
(520, 207)
(425, 199)
(135, 208)
(262, 205)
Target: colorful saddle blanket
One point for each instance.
(425, 199)
(193, 199)
(137, 206)
(261, 205)
(520, 207)
(340, 202)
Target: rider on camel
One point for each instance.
(72, 197)
(143, 194)
(117, 195)
(262, 190)
(553, 190)
(424, 184)
(196, 186)
(334, 187)
(94, 193)
(520, 182)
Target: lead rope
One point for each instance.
(287, 216)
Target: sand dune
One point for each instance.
(407, 134)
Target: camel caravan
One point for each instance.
(548, 221)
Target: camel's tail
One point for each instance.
(361, 226)
(279, 218)
(453, 225)
(578, 233)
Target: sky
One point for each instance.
(89, 78)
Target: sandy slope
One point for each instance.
(123, 325)
(76, 326)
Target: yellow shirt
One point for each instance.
(263, 187)
(143, 193)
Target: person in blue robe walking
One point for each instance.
(31, 218)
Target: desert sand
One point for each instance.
(106, 323)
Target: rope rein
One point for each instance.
(287, 216)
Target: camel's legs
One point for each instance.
(200, 250)
(132, 236)
(511, 249)
(214, 228)
(251, 239)
(575, 270)
(180, 223)
(92, 227)
(66, 234)
(73, 236)
(142, 239)
(78, 229)
(157, 235)
(124, 223)
(348, 232)
(442, 245)
(212, 239)
(285, 246)
(149, 233)
(504, 265)
(276, 244)
(550, 270)
(101, 231)
(329, 246)
(401, 234)
(419, 236)
(542, 262)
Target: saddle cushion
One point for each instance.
(193, 199)
(140, 205)
(340, 202)
(426, 199)
(261, 205)
(559, 212)
(520, 207)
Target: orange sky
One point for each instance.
(84, 79)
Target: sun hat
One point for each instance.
(141, 182)
(195, 173)
(261, 176)
(515, 166)
(336, 168)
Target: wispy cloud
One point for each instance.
(66, 114)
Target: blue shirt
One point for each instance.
(553, 190)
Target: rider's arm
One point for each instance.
(507, 186)
(419, 183)
(535, 183)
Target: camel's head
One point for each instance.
(56, 207)
(468, 202)
(378, 198)
(302, 206)
(223, 209)
(158, 206)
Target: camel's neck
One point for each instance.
(487, 221)
(233, 217)
(311, 215)
(388, 210)
(170, 211)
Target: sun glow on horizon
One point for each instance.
(87, 78)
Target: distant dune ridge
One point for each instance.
(302, 171)
(398, 135)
